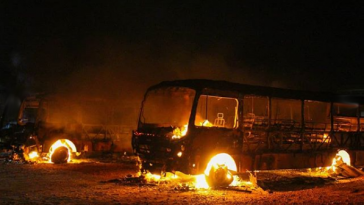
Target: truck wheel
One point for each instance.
(60, 155)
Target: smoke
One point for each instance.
(114, 51)
(135, 45)
(109, 68)
(119, 71)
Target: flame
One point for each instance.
(184, 130)
(178, 133)
(33, 155)
(152, 177)
(326, 137)
(206, 123)
(62, 143)
(179, 154)
(201, 182)
(343, 156)
(221, 159)
(238, 182)
(217, 161)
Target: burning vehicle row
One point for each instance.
(183, 124)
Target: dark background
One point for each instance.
(116, 49)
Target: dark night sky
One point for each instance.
(93, 46)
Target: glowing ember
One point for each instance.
(184, 130)
(206, 123)
(179, 154)
(326, 138)
(180, 132)
(33, 155)
(59, 145)
(152, 177)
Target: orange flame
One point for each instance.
(152, 177)
(199, 181)
(343, 156)
(206, 123)
(325, 138)
(178, 133)
(33, 155)
(221, 159)
(62, 143)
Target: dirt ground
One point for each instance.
(84, 183)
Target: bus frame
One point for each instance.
(255, 143)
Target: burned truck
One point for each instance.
(183, 124)
(58, 128)
(15, 131)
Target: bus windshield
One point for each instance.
(169, 106)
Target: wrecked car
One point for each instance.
(57, 128)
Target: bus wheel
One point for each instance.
(60, 155)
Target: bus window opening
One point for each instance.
(215, 111)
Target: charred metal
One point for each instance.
(59, 127)
(182, 124)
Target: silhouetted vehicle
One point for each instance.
(16, 132)
(182, 124)
(60, 127)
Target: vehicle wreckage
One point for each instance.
(184, 124)
(57, 128)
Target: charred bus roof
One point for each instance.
(200, 84)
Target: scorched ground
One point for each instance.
(84, 183)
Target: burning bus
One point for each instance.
(183, 124)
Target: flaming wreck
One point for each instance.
(218, 128)
(57, 128)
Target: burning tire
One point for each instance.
(218, 172)
(61, 151)
(219, 176)
(60, 155)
